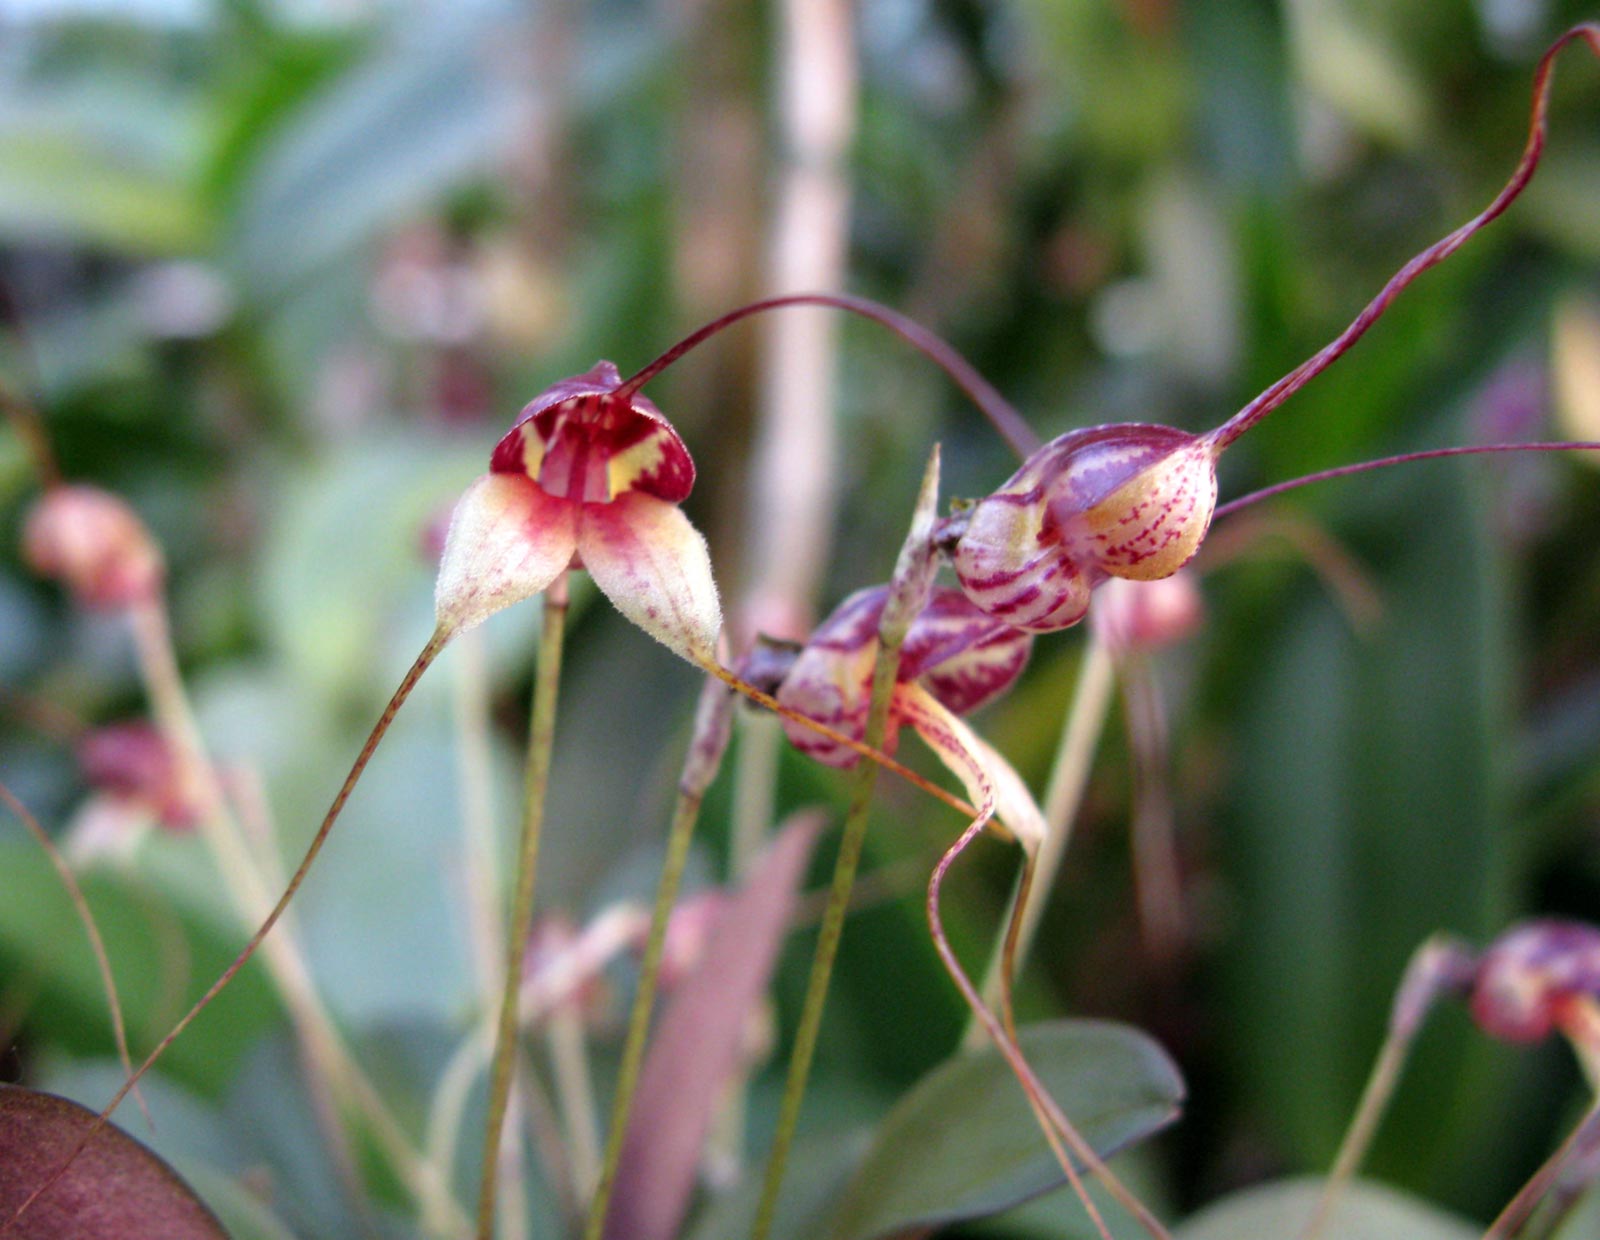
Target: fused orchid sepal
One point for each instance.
(582, 440)
(1530, 979)
(591, 479)
(991, 782)
(961, 657)
(134, 764)
(1130, 500)
(95, 545)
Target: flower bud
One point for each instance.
(95, 545)
(1133, 617)
(132, 763)
(1531, 974)
(1130, 500)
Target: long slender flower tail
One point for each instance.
(1404, 458)
(767, 701)
(1064, 1139)
(97, 943)
(1005, 419)
(1436, 253)
(409, 682)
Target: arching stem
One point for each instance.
(1005, 419)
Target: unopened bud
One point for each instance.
(1130, 500)
(95, 545)
(1133, 617)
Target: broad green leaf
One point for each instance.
(964, 1144)
(819, 1169)
(1366, 1212)
(115, 1189)
(1372, 812)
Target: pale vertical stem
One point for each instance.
(541, 740)
(569, 1062)
(322, 1046)
(713, 720)
(1080, 737)
(480, 854)
(796, 455)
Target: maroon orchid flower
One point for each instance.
(954, 660)
(588, 476)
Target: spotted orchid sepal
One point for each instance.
(954, 659)
(1132, 500)
(586, 478)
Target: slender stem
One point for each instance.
(97, 944)
(1005, 419)
(908, 593)
(541, 739)
(1158, 882)
(1404, 458)
(430, 652)
(1080, 737)
(713, 720)
(1297, 378)
(574, 1089)
(322, 1047)
(1439, 965)
(844, 874)
(1582, 1138)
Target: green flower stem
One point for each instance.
(541, 739)
(574, 1088)
(1080, 737)
(908, 591)
(322, 1047)
(712, 724)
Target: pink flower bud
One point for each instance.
(1137, 616)
(1530, 974)
(1130, 500)
(95, 545)
(133, 763)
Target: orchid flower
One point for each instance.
(954, 660)
(586, 477)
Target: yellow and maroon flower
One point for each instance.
(588, 476)
(1535, 978)
(954, 660)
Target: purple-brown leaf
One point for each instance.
(115, 1189)
(696, 1049)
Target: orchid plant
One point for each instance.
(590, 479)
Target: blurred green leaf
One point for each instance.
(964, 1144)
(1366, 1212)
(387, 139)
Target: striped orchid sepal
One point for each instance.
(589, 477)
(954, 660)
(1132, 500)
